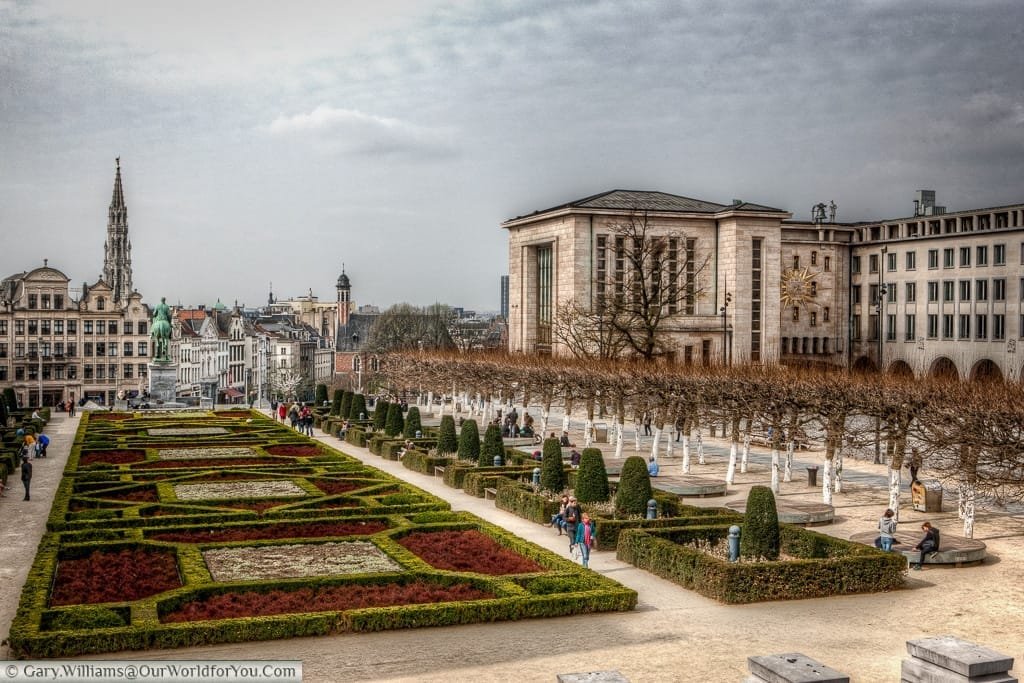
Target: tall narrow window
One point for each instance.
(691, 277)
(602, 272)
(544, 297)
(756, 277)
(672, 270)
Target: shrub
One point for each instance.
(357, 408)
(493, 446)
(412, 423)
(760, 535)
(321, 394)
(336, 402)
(446, 440)
(469, 441)
(592, 477)
(380, 414)
(395, 422)
(346, 404)
(634, 488)
(552, 473)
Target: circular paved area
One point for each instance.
(794, 512)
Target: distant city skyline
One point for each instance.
(262, 144)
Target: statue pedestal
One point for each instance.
(163, 378)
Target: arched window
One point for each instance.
(357, 363)
(101, 303)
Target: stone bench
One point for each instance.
(948, 659)
(439, 470)
(791, 667)
(955, 550)
(490, 493)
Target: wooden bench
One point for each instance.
(439, 470)
(490, 493)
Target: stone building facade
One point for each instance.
(771, 289)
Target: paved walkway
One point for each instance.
(674, 635)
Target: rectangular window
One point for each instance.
(128, 370)
(86, 327)
(981, 290)
(814, 258)
(873, 263)
(545, 296)
(999, 255)
(72, 327)
(947, 258)
(796, 261)
(981, 326)
(947, 290)
(965, 257)
(856, 327)
(72, 349)
(998, 327)
(981, 256)
(143, 370)
(933, 326)
(947, 326)
(965, 326)
(127, 350)
(44, 327)
(19, 374)
(127, 326)
(890, 293)
(855, 263)
(911, 260)
(143, 348)
(814, 318)
(855, 295)
(999, 289)
(909, 327)
(58, 327)
(873, 328)
(3, 349)
(890, 262)
(88, 372)
(142, 327)
(796, 314)
(58, 301)
(691, 277)
(828, 263)
(933, 292)
(33, 302)
(101, 348)
(19, 327)
(3, 327)
(873, 294)
(45, 298)
(965, 290)
(911, 292)
(933, 258)
(825, 314)
(87, 349)
(890, 327)
(33, 327)
(111, 327)
(58, 348)
(755, 298)
(101, 370)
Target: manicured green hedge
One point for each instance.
(519, 499)
(840, 567)
(482, 478)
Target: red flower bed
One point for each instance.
(294, 450)
(325, 599)
(111, 457)
(114, 576)
(144, 495)
(203, 463)
(332, 487)
(467, 551)
(259, 533)
(109, 417)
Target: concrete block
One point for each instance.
(593, 677)
(919, 671)
(967, 659)
(793, 667)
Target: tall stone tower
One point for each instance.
(344, 288)
(117, 250)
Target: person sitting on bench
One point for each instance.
(928, 544)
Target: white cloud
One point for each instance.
(350, 130)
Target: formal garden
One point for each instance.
(174, 530)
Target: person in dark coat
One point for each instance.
(26, 473)
(928, 544)
(572, 517)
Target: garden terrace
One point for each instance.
(175, 531)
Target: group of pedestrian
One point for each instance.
(577, 525)
(299, 415)
(928, 545)
(33, 447)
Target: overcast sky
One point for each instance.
(271, 141)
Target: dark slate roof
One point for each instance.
(642, 200)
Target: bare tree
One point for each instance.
(408, 327)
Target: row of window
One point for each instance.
(60, 372)
(88, 327)
(963, 326)
(46, 301)
(70, 349)
(949, 258)
(809, 345)
(812, 316)
(980, 287)
(826, 261)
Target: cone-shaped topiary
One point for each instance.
(552, 472)
(592, 477)
(380, 414)
(447, 442)
(634, 488)
(759, 537)
(346, 404)
(493, 445)
(336, 402)
(412, 423)
(394, 424)
(469, 441)
(321, 394)
(358, 407)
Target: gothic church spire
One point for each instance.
(117, 257)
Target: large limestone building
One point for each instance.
(743, 282)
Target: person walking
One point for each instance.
(573, 513)
(26, 474)
(886, 530)
(585, 537)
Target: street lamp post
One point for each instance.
(359, 364)
(40, 372)
(883, 291)
(725, 329)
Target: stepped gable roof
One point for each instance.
(644, 200)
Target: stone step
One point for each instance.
(960, 656)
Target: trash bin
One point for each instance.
(600, 432)
(812, 476)
(926, 496)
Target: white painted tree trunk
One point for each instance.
(565, 422)
(787, 475)
(657, 441)
(838, 487)
(544, 413)
(826, 482)
(430, 401)
(440, 408)
(669, 443)
(686, 454)
(588, 437)
(968, 506)
(730, 471)
(746, 454)
(636, 437)
(894, 491)
(775, 471)
(962, 493)
(620, 437)
(700, 449)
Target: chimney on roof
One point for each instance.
(737, 202)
